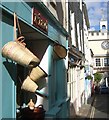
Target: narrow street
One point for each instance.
(100, 108)
(54, 58)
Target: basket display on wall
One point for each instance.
(60, 51)
(37, 73)
(29, 85)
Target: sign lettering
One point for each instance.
(40, 21)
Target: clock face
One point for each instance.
(105, 45)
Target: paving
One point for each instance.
(85, 109)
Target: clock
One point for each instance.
(105, 44)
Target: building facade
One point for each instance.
(98, 41)
(42, 32)
(76, 55)
(88, 57)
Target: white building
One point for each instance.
(78, 29)
(99, 43)
(88, 57)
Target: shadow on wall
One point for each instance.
(11, 66)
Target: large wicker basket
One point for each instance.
(20, 54)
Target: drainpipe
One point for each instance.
(67, 15)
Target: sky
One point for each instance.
(97, 9)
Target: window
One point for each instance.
(98, 62)
(53, 4)
(106, 61)
(103, 27)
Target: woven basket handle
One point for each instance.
(21, 38)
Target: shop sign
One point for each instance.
(39, 21)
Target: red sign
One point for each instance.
(39, 21)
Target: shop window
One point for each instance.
(38, 48)
(98, 63)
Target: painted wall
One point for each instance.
(8, 81)
(0, 70)
(97, 50)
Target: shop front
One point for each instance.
(75, 80)
(43, 78)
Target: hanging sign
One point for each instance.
(39, 21)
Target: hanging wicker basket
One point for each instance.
(29, 85)
(16, 50)
(20, 54)
(60, 51)
(37, 73)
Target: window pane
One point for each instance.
(98, 62)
